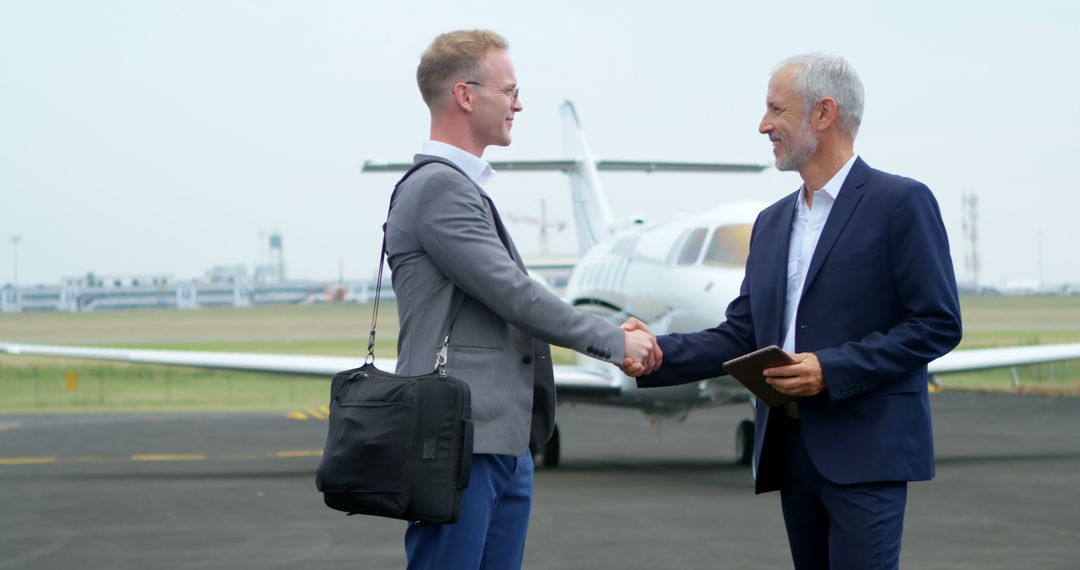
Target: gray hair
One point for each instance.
(819, 75)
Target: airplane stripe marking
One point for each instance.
(168, 457)
(26, 460)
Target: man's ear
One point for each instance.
(824, 114)
(463, 96)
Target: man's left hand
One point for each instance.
(804, 378)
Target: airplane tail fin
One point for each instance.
(592, 213)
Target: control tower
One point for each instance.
(273, 271)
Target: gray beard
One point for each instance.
(801, 147)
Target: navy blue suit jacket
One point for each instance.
(879, 303)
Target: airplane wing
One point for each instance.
(985, 358)
(572, 382)
(657, 166)
(569, 165)
(323, 366)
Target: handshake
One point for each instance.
(643, 355)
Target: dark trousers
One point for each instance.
(490, 533)
(838, 527)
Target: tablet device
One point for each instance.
(748, 370)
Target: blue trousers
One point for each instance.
(839, 527)
(490, 533)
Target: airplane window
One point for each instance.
(729, 246)
(692, 247)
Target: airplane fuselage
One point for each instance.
(677, 276)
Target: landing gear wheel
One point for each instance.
(744, 443)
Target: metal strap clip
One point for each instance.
(370, 348)
(440, 357)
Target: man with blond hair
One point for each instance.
(456, 271)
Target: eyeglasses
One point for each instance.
(511, 92)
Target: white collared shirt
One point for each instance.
(805, 232)
(475, 168)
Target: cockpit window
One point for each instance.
(729, 246)
(692, 247)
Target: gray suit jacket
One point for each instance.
(445, 238)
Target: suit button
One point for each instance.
(526, 359)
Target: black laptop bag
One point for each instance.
(396, 446)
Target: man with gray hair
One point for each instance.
(851, 275)
(456, 272)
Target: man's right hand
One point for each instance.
(643, 354)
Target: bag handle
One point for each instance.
(458, 296)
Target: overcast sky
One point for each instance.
(165, 137)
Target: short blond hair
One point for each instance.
(452, 56)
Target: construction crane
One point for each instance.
(542, 221)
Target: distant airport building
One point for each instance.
(223, 286)
(226, 274)
(116, 281)
(9, 300)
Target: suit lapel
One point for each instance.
(850, 194)
(783, 244)
(501, 230)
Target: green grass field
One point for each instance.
(1009, 321)
(52, 384)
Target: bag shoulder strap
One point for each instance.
(458, 295)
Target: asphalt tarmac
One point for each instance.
(172, 491)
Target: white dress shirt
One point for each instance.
(475, 168)
(805, 232)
